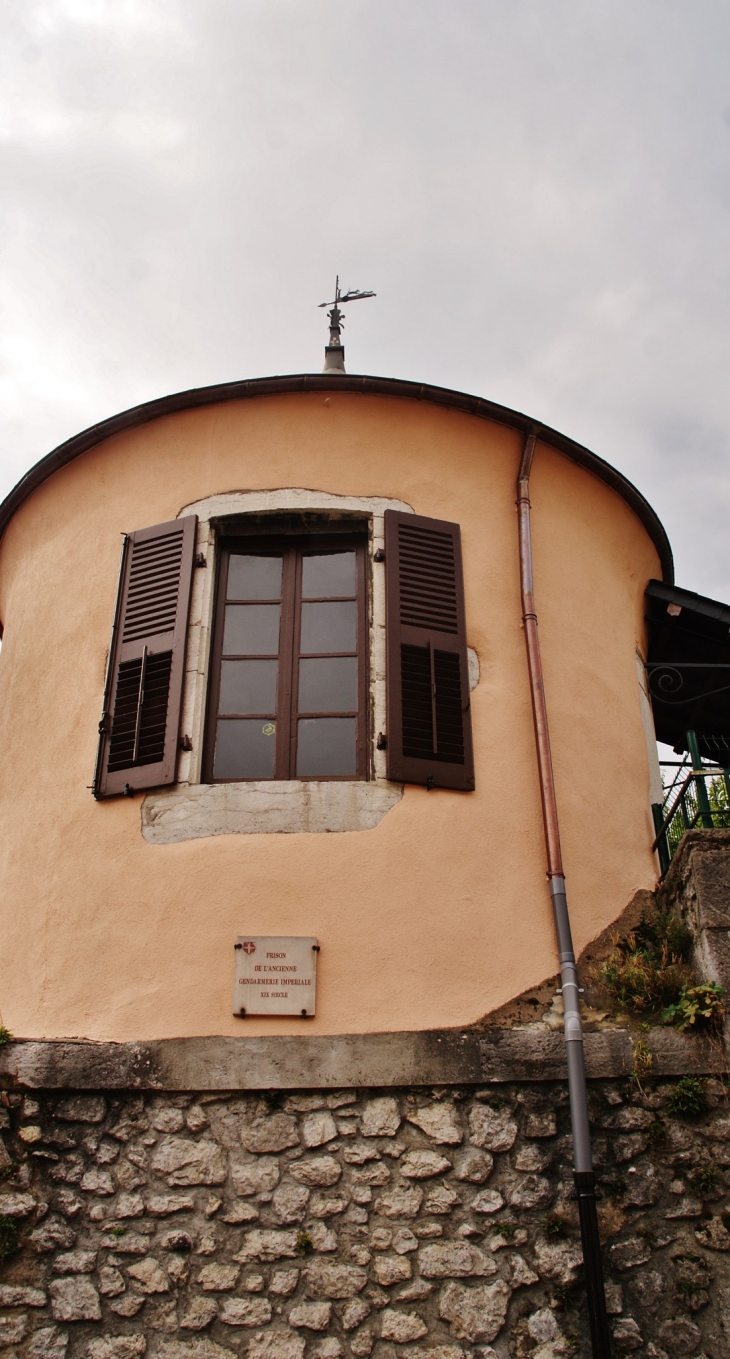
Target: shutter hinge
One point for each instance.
(429, 783)
(382, 741)
(104, 724)
(379, 554)
(185, 743)
(201, 559)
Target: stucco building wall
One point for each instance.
(437, 914)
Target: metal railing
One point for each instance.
(697, 795)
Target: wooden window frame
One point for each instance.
(293, 545)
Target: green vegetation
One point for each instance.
(305, 1244)
(705, 1179)
(555, 1226)
(505, 1229)
(8, 1237)
(5, 1036)
(700, 1006)
(649, 972)
(688, 1097)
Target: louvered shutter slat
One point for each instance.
(140, 726)
(429, 726)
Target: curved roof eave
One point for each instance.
(318, 382)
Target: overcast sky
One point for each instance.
(539, 193)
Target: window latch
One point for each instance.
(379, 554)
(201, 559)
(382, 741)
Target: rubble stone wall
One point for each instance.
(428, 1224)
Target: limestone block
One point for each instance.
(284, 1282)
(380, 1118)
(318, 1128)
(450, 1260)
(185, 1162)
(628, 1119)
(149, 1275)
(266, 1245)
(129, 1305)
(530, 1192)
(403, 1201)
(322, 1206)
(440, 1199)
(520, 1274)
(415, 1291)
(289, 1202)
(51, 1234)
(217, 1278)
(167, 1120)
(315, 1316)
(17, 1205)
(680, 1336)
(129, 1205)
(275, 1132)
(269, 1345)
(13, 1328)
(541, 1125)
(320, 1171)
(131, 1243)
(74, 1299)
(329, 1348)
(626, 1334)
(111, 1282)
(419, 1165)
(48, 1343)
(332, 1279)
(81, 1109)
(558, 1260)
(375, 1173)
(543, 1325)
(439, 1122)
(401, 1326)
(254, 1176)
(199, 1349)
(198, 1314)
(354, 1313)
(475, 1313)
(238, 1212)
(492, 1129)
(533, 1158)
(75, 1262)
(629, 1254)
(18, 1295)
(489, 1201)
(360, 1152)
(97, 1182)
(362, 1343)
(116, 1347)
(446, 1352)
(245, 1312)
(474, 1166)
(391, 1269)
(66, 1202)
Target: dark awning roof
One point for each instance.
(689, 668)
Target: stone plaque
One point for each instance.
(275, 975)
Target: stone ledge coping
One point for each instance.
(434, 1057)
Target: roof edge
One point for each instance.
(348, 382)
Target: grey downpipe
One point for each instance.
(583, 1173)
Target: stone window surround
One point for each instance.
(191, 809)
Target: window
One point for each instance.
(288, 687)
(289, 674)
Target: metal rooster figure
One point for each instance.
(334, 360)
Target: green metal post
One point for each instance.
(657, 812)
(703, 800)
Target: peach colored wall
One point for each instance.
(441, 912)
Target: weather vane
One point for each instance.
(334, 354)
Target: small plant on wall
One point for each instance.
(648, 973)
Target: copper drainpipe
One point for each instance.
(583, 1174)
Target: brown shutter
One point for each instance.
(429, 726)
(139, 728)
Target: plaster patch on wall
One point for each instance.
(474, 671)
(191, 811)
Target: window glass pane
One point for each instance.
(245, 750)
(329, 627)
(252, 629)
(248, 687)
(333, 573)
(326, 745)
(254, 577)
(326, 686)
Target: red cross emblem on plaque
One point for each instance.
(249, 946)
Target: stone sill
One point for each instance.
(434, 1057)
